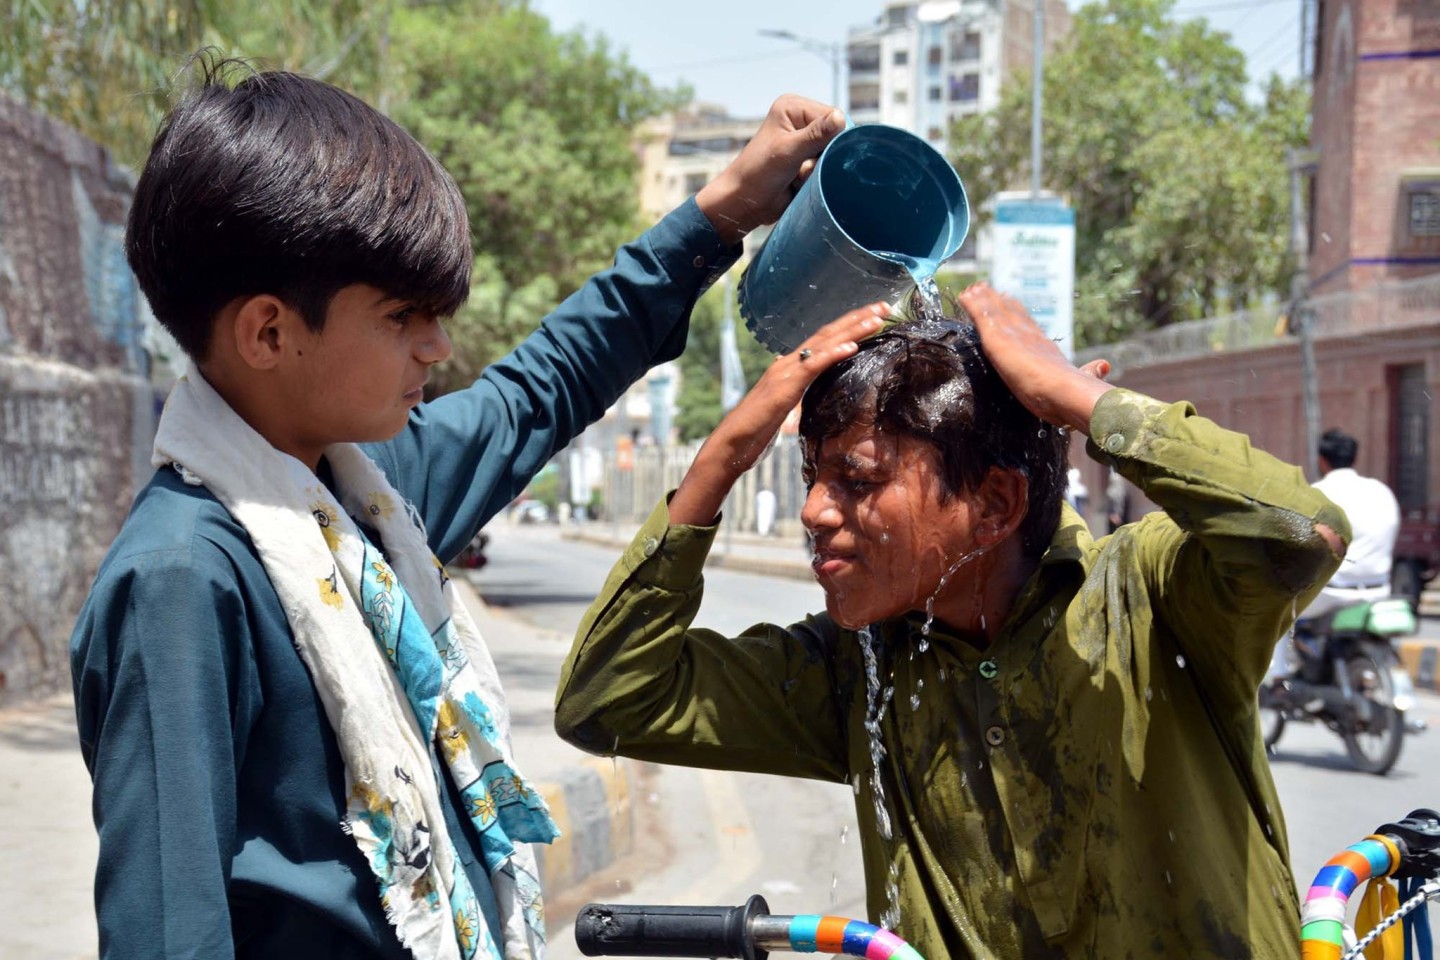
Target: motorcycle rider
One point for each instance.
(1374, 515)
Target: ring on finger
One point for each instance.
(804, 354)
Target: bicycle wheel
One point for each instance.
(1374, 736)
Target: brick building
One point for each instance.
(1375, 210)
(1372, 275)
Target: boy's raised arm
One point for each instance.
(465, 456)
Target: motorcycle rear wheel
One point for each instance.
(1374, 736)
(1272, 720)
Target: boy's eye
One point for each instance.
(403, 315)
(860, 484)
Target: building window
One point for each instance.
(864, 59)
(936, 134)
(936, 93)
(1425, 212)
(937, 56)
(965, 46)
(901, 97)
(864, 96)
(900, 57)
(965, 88)
(694, 182)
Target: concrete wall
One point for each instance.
(76, 411)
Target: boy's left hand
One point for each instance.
(745, 433)
(759, 184)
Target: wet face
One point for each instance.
(883, 538)
(359, 377)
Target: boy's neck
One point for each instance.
(979, 604)
(261, 409)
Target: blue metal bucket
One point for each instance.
(880, 212)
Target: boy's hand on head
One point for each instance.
(1032, 366)
(747, 430)
(759, 184)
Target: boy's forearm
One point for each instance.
(701, 495)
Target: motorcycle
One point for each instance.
(1350, 679)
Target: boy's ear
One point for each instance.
(263, 324)
(1002, 500)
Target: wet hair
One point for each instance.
(1339, 448)
(928, 378)
(283, 185)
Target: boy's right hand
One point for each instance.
(759, 184)
(747, 430)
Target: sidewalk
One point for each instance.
(48, 844)
(779, 557)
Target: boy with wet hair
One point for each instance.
(1077, 769)
(298, 741)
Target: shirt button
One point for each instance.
(698, 262)
(988, 669)
(994, 736)
(651, 545)
(1115, 442)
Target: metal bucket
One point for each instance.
(880, 212)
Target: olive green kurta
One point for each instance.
(1091, 785)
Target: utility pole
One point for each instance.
(831, 52)
(1037, 97)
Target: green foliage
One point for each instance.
(1179, 184)
(536, 128)
(107, 67)
(698, 402)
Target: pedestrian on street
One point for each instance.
(297, 737)
(1052, 739)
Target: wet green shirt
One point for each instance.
(1091, 785)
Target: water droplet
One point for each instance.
(1168, 881)
(914, 702)
(1180, 660)
(1149, 694)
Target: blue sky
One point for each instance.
(716, 47)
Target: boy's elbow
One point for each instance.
(579, 729)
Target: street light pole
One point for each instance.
(826, 50)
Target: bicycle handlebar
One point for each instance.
(606, 929)
(746, 932)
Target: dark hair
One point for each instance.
(929, 379)
(288, 186)
(1339, 448)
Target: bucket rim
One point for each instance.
(886, 131)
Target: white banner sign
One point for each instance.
(1035, 263)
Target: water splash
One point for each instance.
(876, 703)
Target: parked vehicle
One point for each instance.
(1349, 678)
(1417, 553)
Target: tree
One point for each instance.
(108, 68)
(1179, 184)
(536, 127)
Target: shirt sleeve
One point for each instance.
(165, 692)
(641, 682)
(462, 458)
(1236, 551)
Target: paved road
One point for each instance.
(732, 835)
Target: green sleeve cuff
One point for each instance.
(666, 555)
(1122, 419)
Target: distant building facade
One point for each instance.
(682, 151)
(1375, 192)
(921, 65)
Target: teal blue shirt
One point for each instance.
(218, 784)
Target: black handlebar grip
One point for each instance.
(626, 930)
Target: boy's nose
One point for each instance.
(819, 510)
(435, 346)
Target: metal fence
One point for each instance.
(630, 495)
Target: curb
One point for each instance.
(1421, 659)
(593, 806)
